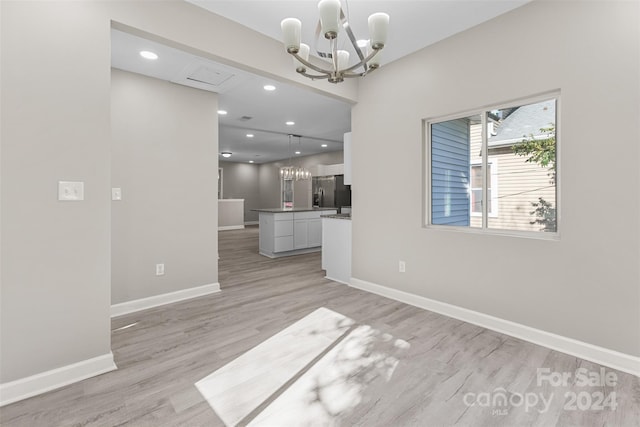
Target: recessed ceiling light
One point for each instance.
(324, 145)
(269, 88)
(297, 152)
(290, 123)
(222, 112)
(250, 161)
(148, 55)
(249, 135)
(226, 154)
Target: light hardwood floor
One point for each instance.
(449, 374)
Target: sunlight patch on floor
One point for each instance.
(309, 373)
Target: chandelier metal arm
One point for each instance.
(327, 73)
(352, 37)
(364, 73)
(363, 62)
(334, 51)
(302, 70)
(309, 64)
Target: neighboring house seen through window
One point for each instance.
(475, 193)
(462, 164)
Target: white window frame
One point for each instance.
(426, 179)
(493, 162)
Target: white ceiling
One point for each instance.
(413, 24)
(319, 119)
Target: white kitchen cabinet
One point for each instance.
(307, 228)
(276, 232)
(292, 232)
(283, 244)
(301, 234)
(282, 228)
(307, 233)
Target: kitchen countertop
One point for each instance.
(281, 210)
(337, 216)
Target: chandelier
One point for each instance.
(332, 17)
(289, 173)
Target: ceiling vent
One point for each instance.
(245, 118)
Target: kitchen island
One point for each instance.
(286, 232)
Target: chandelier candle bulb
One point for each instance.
(378, 29)
(343, 59)
(303, 53)
(291, 28)
(329, 11)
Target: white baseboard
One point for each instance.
(50, 380)
(162, 299)
(603, 356)
(251, 222)
(338, 281)
(230, 227)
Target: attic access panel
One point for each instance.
(210, 76)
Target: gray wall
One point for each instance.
(55, 84)
(164, 157)
(55, 275)
(269, 176)
(585, 285)
(240, 181)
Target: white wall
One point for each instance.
(585, 286)
(164, 157)
(55, 84)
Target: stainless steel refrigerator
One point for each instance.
(330, 192)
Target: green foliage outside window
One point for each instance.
(543, 152)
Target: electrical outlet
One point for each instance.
(159, 269)
(402, 267)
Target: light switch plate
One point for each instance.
(116, 194)
(70, 191)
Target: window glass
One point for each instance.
(476, 188)
(450, 170)
(524, 139)
(512, 165)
